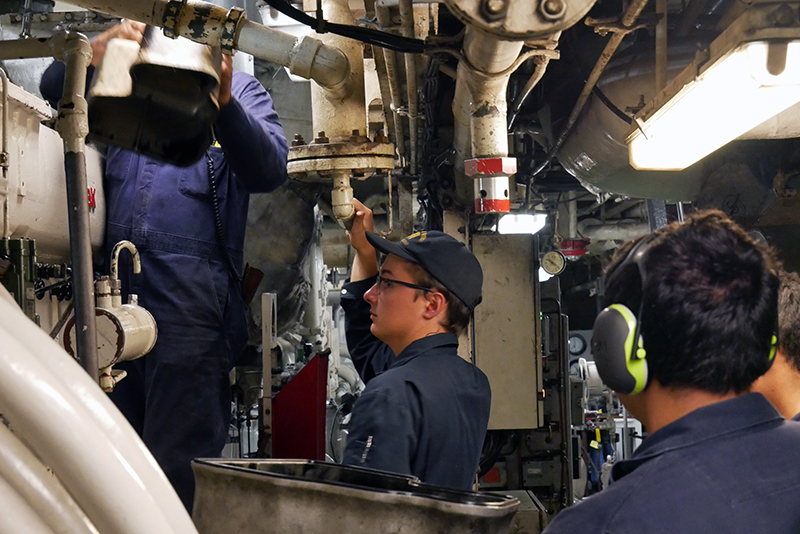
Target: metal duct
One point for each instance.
(596, 152)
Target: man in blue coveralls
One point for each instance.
(425, 410)
(701, 298)
(178, 396)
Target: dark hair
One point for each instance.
(710, 303)
(458, 314)
(789, 318)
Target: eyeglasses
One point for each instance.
(386, 283)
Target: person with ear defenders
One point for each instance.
(689, 324)
(425, 410)
(781, 384)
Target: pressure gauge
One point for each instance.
(554, 262)
(577, 344)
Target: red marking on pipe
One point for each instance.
(492, 205)
(92, 198)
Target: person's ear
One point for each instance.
(437, 305)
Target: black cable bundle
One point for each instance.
(386, 40)
(212, 182)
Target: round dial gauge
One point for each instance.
(554, 262)
(577, 344)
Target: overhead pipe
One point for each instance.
(72, 124)
(210, 24)
(407, 25)
(618, 230)
(540, 68)
(628, 18)
(81, 436)
(37, 486)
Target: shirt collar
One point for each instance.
(426, 344)
(706, 423)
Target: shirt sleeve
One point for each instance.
(370, 355)
(52, 83)
(251, 136)
(381, 434)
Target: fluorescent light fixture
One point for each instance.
(544, 276)
(521, 223)
(748, 75)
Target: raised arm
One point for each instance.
(250, 133)
(365, 263)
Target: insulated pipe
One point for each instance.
(619, 231)
(73, 126)
(339, 115)
(39, 488)
(385, 22)
(17, 516)
(69, 440)
(628, 18)
(407, 24)
(76, 403)
(207, 23)
(479, 104)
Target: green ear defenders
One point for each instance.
(616, 338)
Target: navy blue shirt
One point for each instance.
(732, 467)
(423, 412)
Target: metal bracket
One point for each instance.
(228, 37)
(171, 14)
(606, 25)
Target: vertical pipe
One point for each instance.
(389, 56)
(73, 127)
(572, 210)
(661, 46)
(4, 157)
(339, 115)
(407, 23)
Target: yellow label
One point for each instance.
(593, 444)
(597, 434)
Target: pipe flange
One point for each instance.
(171, 15)
(317, 162)
(520, 20)
(230, 30)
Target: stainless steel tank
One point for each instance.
(309, 497)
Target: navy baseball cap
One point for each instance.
(444, 257)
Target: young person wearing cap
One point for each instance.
(425, 410)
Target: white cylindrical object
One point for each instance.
(36, 196)
(491, 194)
(49, 373)
(40, 488)
(17, 516)
(123, 334)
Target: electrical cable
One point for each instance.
(383, 39)
(212, 182)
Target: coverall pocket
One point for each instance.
(194, 180)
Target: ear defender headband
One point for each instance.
(617, 343)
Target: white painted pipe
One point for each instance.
(40, 488)
(61, 432)
(79, 430)
(16, 516)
